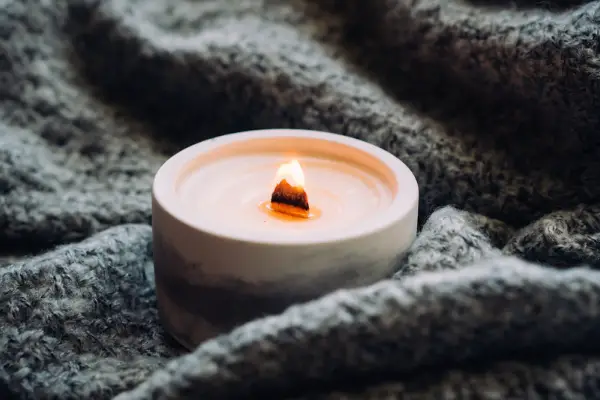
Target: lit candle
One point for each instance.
(247, 224)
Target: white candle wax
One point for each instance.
(352, 187)
(232, 193)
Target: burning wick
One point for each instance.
(289, 196)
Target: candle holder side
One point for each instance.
(200, 293)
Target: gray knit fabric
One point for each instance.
(494, 105)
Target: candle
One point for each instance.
(247, 224)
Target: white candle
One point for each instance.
(212, 223)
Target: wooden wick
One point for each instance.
(291, 200)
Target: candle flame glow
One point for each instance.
(292, 173)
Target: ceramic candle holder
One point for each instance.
(223, 257)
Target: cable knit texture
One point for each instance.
(494, 105)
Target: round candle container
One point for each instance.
(223, 257)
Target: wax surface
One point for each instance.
(227, 195)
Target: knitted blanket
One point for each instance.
(494, 105)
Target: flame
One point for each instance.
(292, 173)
